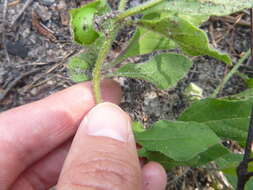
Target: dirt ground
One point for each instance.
(35, 44)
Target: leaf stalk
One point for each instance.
(230, 74)
(137, 9)
(96, 75)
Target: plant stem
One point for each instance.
(96, 75)
(230, 74)
(137, 9)
(243, 175)
(122, 5)
(242, 170)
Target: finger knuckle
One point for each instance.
(106, 174)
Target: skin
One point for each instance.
(56, 141)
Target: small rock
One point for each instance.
(12, 11)
(47, 2)
(1, 27)
(26, 33)
(150, 95)
(50, 82)
(34, 91)
(33, 39)
(43, 12)
(17, 48)
(62, 7)
(202, 77)
(7, 100)
(2, 75)
(50, 53)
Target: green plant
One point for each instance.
(195, 138)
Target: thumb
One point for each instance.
(103, 154)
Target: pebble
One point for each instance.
(1, 27)
(17, 49)
(34, 91)
(50, 82)
(2, 71)
(33, 39)
(150, 95)
(42, 12)
(202, 77)
(61, 5)
(47, 2)
(26, 33)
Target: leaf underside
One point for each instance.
(202, 7)
(164, 70)
(188, 37)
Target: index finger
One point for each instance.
(29, 132)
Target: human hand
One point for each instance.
(35, 140)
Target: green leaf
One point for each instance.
(163, 70)
(191, 39)
(211, 154)
(232, 179)
(77, 69)
(202, 7)
(249, 82)
(180, 141)
(246, 95)
(80, 66)
(196, 20)
(145, 41)
(82, 21)
(228, 164)
(229, 119)
(137, 127)
(165, 161)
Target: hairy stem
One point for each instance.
(230, 74)
(122, 5)
(137, 9)
(96, 75)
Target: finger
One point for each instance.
(154, 177)
(103, 154)
(45, 173)
(29, 132)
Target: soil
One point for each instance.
(34, 51)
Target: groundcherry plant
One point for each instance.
(161, 27)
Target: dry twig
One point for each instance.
(15, 82)
(42, 29)
(51, 69)
(232, 20)
(27, 3)
(3, 32)
(13, 3)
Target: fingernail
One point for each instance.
(108, 120)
